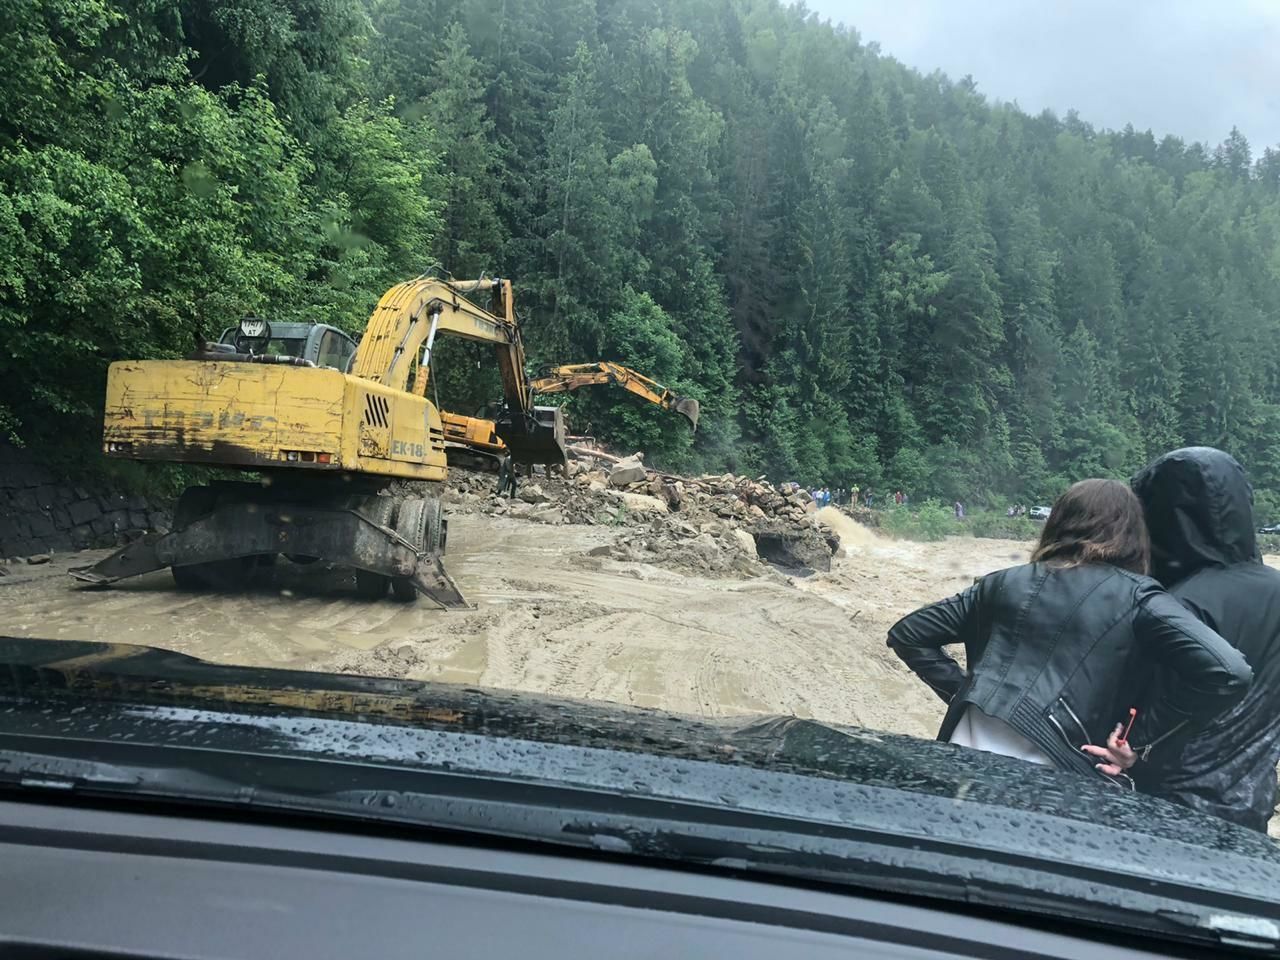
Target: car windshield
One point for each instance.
(903, 368)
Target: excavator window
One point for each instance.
(335, 350)
(278, 346)
(286, 346)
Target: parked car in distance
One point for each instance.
(1039, 513)
(1272, 528)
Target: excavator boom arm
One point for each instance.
(402, 331)
(401, 334)
(569, 377)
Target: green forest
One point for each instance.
(867, 275)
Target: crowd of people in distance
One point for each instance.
(854, 496)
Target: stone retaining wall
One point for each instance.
(41, 512)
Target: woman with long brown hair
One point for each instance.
(1060, 649)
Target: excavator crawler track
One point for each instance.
(245, 520)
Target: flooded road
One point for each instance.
(550, 618)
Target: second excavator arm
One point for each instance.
(569, 377)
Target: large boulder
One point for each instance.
(673, 493)
(795, 549)
(548, 513)
(626, 471)
(703, 545)
(532, 493)
(744, 541)
(683, 530)
(639, 503)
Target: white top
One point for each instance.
(981, 732)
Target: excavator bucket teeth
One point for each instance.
(434, 582)
(688, 408)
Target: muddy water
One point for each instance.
(549, 618)
(853, 535)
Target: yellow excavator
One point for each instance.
(326, 442)
(480, 435)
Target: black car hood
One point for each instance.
(907, 791)
(1199, 510)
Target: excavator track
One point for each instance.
(249, 521)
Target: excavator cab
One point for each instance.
(317, 343)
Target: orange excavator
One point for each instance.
(573, 376)
(479, 436)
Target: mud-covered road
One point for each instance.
(551, 618)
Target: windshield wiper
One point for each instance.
(47, 771)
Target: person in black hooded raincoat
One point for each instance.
(1199, 511)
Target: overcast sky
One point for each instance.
(1192, 68)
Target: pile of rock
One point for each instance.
(719, 524)
(543, 499)
(711, 548)
(712, 524)
(757, 500)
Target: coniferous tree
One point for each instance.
(867, 275)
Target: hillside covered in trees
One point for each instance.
(867, 275)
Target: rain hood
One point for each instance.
(1199, 509)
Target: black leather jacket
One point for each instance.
(1061, 653)
(1199, 510)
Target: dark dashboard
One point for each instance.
(90, 882)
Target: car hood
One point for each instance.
(1199, 510)
(898, 788)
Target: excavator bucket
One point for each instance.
(688, 408)
(539, 438)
